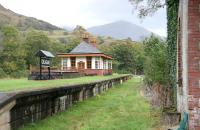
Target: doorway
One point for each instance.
(81, 65)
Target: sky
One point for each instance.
(87, 13)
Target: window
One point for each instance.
(89, 62)
(73, 62)
(64, 63)
(97, 63)
(110, 65)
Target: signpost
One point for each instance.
(45, 57)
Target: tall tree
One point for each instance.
(35, 41)
(155, 63)
(124, 58)
(13, 54)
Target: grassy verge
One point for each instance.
(120, 108)
(23, 84)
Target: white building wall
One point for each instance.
(83, 59)
(68, 62)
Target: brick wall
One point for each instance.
(193, 63)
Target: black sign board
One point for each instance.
(45, 57)
(45, 62)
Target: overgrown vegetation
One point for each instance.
(166, 77)
(172, 25)
(120, 108)
(128, 56)
(155, 63)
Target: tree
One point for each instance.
(35, 41)
(155, 63)
(138, 49)
(147, 7)
(123, 55)
(12, 57)
(73, 41)
(79, 30)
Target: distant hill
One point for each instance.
(121, 30)
(22, 22)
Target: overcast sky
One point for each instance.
(86, 13)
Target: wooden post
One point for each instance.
(49, 73)
(40, 68)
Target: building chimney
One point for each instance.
(85, 37)
(93, 41)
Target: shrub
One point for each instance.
(19, 74)
(2, 73)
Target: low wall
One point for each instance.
(17, 109)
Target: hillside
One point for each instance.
(121, 30)
(22, 22)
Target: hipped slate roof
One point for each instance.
(84, 47)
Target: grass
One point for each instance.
(120, 108)
(23, 84)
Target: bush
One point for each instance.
(155, 65)
(2, 73)
(19, 74)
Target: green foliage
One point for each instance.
(155, 68)
(123, 56)
(2, 73)
(172, 18)
(120, 108)
(19, 74)
(34, 42)
(72, 43)
(138, 49)
(13, 54)
(128, 56)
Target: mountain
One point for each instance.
(23, 22)
(121, 30)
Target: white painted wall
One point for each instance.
(68, 62)
(83, 59)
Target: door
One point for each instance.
(81, 65)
